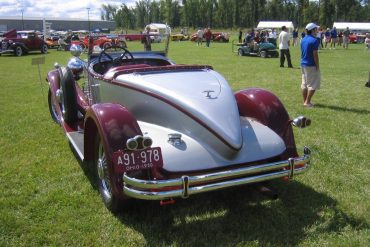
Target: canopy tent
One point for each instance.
(276, 25)
(353, 26)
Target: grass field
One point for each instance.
(47, 200)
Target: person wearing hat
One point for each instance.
(310, 65)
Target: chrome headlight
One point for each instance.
(76, 50)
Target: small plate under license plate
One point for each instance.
(125, 161)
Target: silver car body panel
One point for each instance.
(191, 102)
(191, 154)
(199, 105)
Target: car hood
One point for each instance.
(202, 95)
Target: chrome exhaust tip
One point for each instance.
(132, 144)
(147, 142)
(301, 122)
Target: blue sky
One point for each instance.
(57, 8)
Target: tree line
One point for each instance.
(226, 14)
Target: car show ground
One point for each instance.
(48, 197)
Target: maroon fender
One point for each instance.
(53, 78)
(115, 124)
(267, 108)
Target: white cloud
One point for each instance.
(59, 9)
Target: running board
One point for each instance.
(76, 138)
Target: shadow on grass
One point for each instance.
(343, 109)
(236, 216)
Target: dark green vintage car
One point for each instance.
(262, 49)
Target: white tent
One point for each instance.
(276, 25)
(353, 26)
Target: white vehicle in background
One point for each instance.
(158, 31)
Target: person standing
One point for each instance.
(208, 36)
(334, 37)
(147, 40)
(295, 37)
(240, 36)
(200, 36)
(310, 65)
(284, 43)
(318, 36)
(327, 37)
(346, 38)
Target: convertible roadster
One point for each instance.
(151, 129)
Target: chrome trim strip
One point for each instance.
(140, 189)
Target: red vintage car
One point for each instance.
(22, 42)
(102, 41)
(216, 36)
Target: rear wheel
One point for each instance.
(18, 51)
(44, 48)
(240, 52)
(103, 178)
(106, 44)
(263, 54)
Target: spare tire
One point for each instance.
(69, 96)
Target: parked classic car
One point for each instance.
(216, 36)
(101, 40)
(22, 42)
(52, 41)
(179, 37)
(152, 129)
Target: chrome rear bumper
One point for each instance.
(143, 189)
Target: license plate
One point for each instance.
(125, 161)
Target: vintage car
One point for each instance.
(22, 42)
(216, 36)
(261, 49)
(131, 37)
(102, 41)
(151, 129)
(52, 41)
(179, 37)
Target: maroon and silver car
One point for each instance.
(151, 129)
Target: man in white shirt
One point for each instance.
(284, 43)
(200, 34)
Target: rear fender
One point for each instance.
(267, 108)
(115, 124)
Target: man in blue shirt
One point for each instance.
(334, 37)
(310, 64)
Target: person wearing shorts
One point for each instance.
(311, 77)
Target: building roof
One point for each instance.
(275, 24)
(352, 25)
(47, 18)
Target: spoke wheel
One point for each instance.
(104, 178)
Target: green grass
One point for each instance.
(47, 200)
